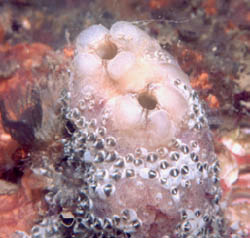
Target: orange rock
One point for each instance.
(157, 4)
(7, 147)
(187, 58)
(68, 52)
(230, 26)
(212, 101)
(18, 212)
(210, 7)
(23, 67)
(201, 82)
(19, 71)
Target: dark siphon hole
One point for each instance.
(147, 101)
(107, 51)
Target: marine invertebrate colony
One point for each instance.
(136, 157)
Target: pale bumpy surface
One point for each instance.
(139, 161)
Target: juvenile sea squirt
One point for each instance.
(139, 161)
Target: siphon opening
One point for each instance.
(147, 101)
(107, 51)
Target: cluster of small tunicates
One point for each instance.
(49, 227)
(71, 180)
(137, 154)
(197, 116)
(90, 168)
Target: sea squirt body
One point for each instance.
(149, 164)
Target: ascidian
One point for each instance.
(134, 154)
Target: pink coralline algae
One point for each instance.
(134, 154)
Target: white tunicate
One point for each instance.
(100, 174)
(87, 64)
(88, 158)
(91, 37)
(119, 65)
(174, 73)
(127, 36)
(159, 125)
(99, 191)
(170, 98)
(128, 108)
(130, 214)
